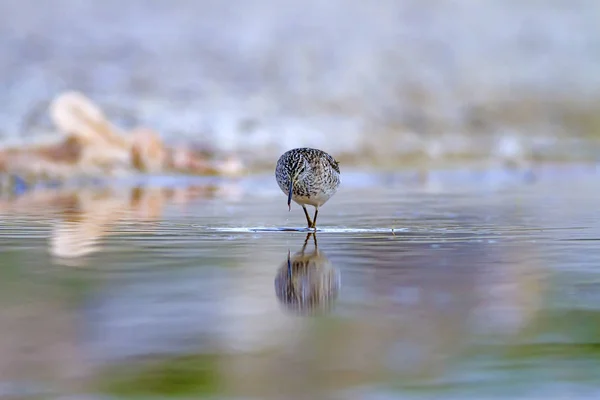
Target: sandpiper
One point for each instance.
(309, 177)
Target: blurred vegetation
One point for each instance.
(175, 377)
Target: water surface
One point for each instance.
(464, 285)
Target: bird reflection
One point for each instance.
(307, 283)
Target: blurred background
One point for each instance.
(458, 260)
(380, 83)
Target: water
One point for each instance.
(463, 285)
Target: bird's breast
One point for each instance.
(315, 200)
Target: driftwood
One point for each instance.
(93, 146)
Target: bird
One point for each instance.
(308, 177)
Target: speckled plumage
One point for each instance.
(314, 175)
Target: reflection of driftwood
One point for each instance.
(307, 283)
(98, 214)
(93, 146)
(85, 216)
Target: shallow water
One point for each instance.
(459, 285)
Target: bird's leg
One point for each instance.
(314, 221)
(306, 242)
(315, 241)
(310, 223)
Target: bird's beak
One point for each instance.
(291, 188)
